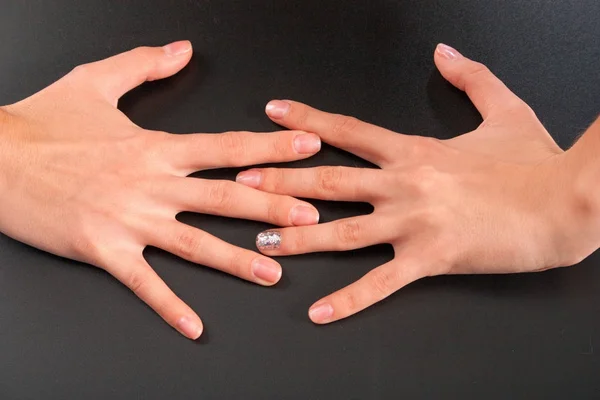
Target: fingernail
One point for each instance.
(266, 270)
(178, 48)
(304, 215)
(249, 178)
(448, 52)
(268, 240)
(307, 143)
(277, 109)
(189, 327)
(320, 313)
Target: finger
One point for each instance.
(370, 289)
(138, 276)
(485, 90)
(229, 199)
(194, 152)
(377, 145)
(325, 183)
(118, 74)
(344, 234)
(202, 248)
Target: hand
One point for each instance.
(499, 199)
(80, 180)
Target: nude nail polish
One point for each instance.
(277, 109)
(448, 52)
(189, 327)
(177, 48)
(307, 143)
(321, 313)
(249, 178)
(266, 270)
(304, 215)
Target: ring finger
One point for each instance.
(345, 234)
(203, 248)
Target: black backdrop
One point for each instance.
(71, 331)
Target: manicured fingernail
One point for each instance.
(249, 178)
(320, 313)
(304, 215)
(178, 48)
(277, 109)
(448, 52)
(266, 270)
(307, 143)
(268, 240)
(189, 327)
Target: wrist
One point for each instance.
(6, 132)
(578, 172)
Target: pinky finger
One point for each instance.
(138, 276)
(375, 286)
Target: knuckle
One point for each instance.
(234, 266)
(136, 282)
(274, 213)
(383, 283)
(473, 77)
(299, 243)
(303, 114)
(188, 245)
(234, 147)
(347, 232)
(343, 124)
(80, 71)
(425, 147)
(424, 179)
(220, 196)
(329, 178)
(280, 146)
(271, 180)
(348, 300)
(477, 71)
(144, 58)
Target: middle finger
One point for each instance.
(229, 199)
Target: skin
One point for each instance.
(80, 180)
(503, 198)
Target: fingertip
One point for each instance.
(307, 143)
(277, 109)
(320, 313)
(190, 326)
(266, 271)
(304, 214)
(250, 178)
(179, 48)
(447, 53)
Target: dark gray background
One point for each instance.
(71, 331)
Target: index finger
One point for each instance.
(375, 144)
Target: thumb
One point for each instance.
(485, 90)
(118, 74)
